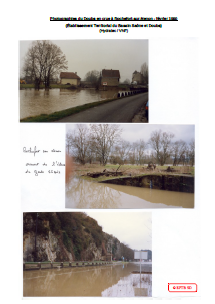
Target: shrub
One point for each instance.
(67, 241)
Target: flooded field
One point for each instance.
(83, 194)
(34, 103)
(100, 281)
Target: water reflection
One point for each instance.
(97, 281)
(135, 285)
(34, 103)
(83, 194)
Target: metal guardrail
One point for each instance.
(57, 265)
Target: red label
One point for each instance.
(182, 287)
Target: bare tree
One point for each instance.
(161, 142)
(144, 71)
(69, 139)
(191, 152)
(179, 149)
(126, 251)
(104, 137)
(127, 81)
(78, 141)
(91, 152)
(93, 77)
(122, 150)
(139, 151)
(131, 157)
(44, 60)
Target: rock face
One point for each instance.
(68, 236)
(93, 253)
(47, 248)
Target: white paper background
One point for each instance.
(45, 191)
(179, 236)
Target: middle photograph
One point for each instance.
(129, 166)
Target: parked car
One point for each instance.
(147, 109)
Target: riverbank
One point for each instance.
(170, 182)
(129, 170)
(182, 180)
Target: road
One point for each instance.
(119, 110)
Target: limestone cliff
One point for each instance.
(68, 236)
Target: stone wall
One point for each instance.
(180, 183)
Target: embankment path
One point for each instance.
(119, 110)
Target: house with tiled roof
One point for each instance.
(138, 77)
(110, 78)
(70, 78)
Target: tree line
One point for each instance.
(103, 143)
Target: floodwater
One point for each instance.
(83, 194)
(95, 281)
(34, 103)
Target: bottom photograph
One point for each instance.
(92, 254)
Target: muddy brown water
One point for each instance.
(34, 103)
(83, 194)
(100, 281)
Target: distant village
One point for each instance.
(107, 78)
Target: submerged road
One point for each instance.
(119, 110)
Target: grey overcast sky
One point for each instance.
(132, 228)
(134, 132)
(86, 55)
(143, 131)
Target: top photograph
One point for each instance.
(84, 81)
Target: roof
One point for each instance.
(69, 75)
(110, 73)
(135, 72)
